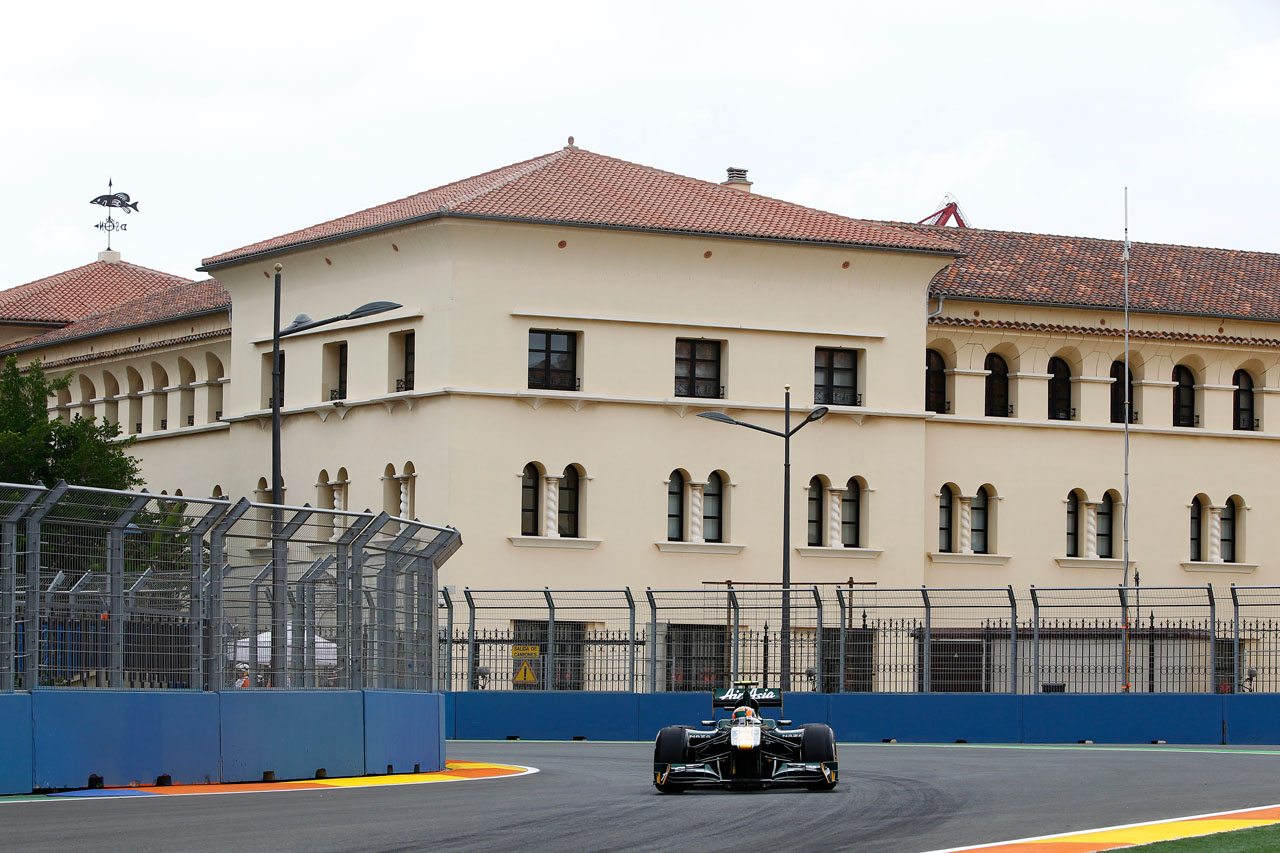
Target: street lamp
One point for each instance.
(279, 553)
(785, 435)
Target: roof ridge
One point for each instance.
(1119, 241)
(535, 164)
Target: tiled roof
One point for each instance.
(84, 290)
(1087, 272)
(1105, 331)
(174, 302)
(577, 187)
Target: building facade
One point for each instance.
(564, 320)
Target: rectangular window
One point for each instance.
(553, 360)
(698, 369)
(1105, 511)
(266, 379)
(409, 353)
(835, 377)
(334, 367)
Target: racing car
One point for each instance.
(745, 750)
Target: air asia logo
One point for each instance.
(760, 694)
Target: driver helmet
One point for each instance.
(743, 713)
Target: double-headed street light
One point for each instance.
(785, 435)
(279, 553)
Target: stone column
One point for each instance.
(173, 407)
(550, 504)
(964, 521)
(1217, 406)
(695, 512)
(1093, 398)
(1029, 395)
(1156, 398)
(834, 518)
(969, 391)
(200, 407)
(1215, 535)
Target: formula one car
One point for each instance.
(745, 750)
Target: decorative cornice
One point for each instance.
(1102, 331)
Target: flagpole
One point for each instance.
(1128, 416)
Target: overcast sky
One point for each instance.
(233, 122)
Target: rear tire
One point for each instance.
(670, 747)
(819, 745)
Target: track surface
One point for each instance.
(597, 796)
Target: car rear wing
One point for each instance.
(766, 697)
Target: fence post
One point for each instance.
(1035, 641)
(196, 604)
(471, 638)
(355, 601)
(1235, 639)
(1124, 622)
(653, 641)
(1013, 642)
(817, 666)
(115, 579)
(928, 642)
(392, 556)
(9, 585)
(218, 569)
(302, 664)
(551, 641)
(840, 688)
(737, 620)
(1213, 639)
(631, 640)
(254, 586)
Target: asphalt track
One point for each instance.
(597, 796)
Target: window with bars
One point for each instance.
(1184, 397)
(529, 490)
(1121, 390)
(946, 520)
(553, 360)
(713, 509)
(935, 382)
(675, 507)
(568, 502)
(1242, 401)
(1106, 518)
(816, 512)
(335, 370)
(410, 355)
(1227, 536)
(1196, 551)
(850, 514)
(698, 369)
(1073, 524)
(835, 377)
(979, 526)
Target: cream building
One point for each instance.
(565, 319)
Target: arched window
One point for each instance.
(568, 522)
(1184, 397)
(946, 503)
(1120, 391)
(1242, 403)
(1073, 524)
(713, 509)
(529, 501)
(850, 514)
(815, 511)
(1228, 536)
(979, 522)
(675, 507)
(1106, 517)
(1197, 509)
(997, 386)
(935, 382)
(1059, 390)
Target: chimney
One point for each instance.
(109, 256)
(737, 180)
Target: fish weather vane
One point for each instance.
(116, 200)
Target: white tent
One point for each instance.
(326, 652)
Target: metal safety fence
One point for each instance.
(862, 639)
(130, 590)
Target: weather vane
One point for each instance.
(110, 200)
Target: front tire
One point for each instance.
(670, 747)
(819, 746)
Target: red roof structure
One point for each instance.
(573, 186)
(68, 296)
(180, 301)
(1006, 266)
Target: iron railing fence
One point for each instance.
(865, 639)
(102, 588)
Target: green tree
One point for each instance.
(34, 449)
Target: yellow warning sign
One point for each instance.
(524, 651)
(524, 675)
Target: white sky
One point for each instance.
(232, 122)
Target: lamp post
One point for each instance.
(279, 553)
(785, 435)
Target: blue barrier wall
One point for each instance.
(403, 732)
(876, 717)
(59, 738)
(15, 743)
(126, 737)
(292, 734)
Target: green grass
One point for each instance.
(1258, 840)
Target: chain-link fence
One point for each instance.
(113, 589)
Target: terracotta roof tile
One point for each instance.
(84, 290)
(1087, 272)
(188, 299)
(1105, 331)
(578, 187)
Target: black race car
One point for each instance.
(745, 750)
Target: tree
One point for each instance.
(35, 449)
